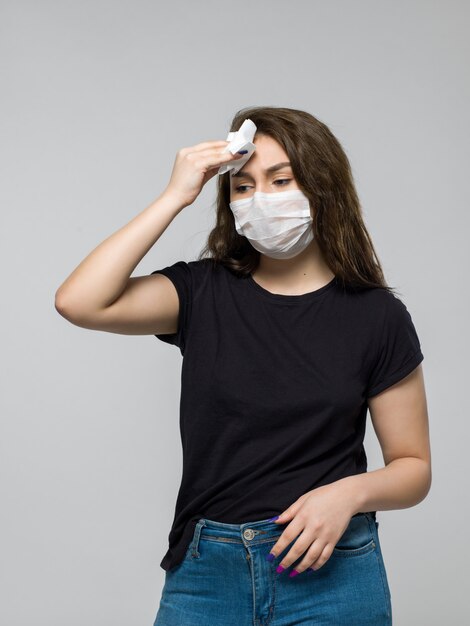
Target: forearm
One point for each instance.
(401, 484)
(103, 275)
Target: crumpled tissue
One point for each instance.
(242, 139)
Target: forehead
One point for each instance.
(267, 149)
(268, 153)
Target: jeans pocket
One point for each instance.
(357, 539)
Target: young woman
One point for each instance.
(290, 335)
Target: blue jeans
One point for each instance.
(225, 580)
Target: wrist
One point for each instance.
(172, 197)
(354, 493)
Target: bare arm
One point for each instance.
(400, 419)
(99, 294)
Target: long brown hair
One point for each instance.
(323, 172)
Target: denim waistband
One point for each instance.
(248, 533)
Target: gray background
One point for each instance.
(96, 99)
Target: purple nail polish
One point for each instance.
(242, 151)
(310, 570)
(270, 557)
(280, 569)
(293, 573)
(273, 518)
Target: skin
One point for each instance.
(318, 519)
(101, 294)
(305, 272)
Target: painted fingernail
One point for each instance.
(310, 570)
(273, 518)
(293, 573)
(280, 569)
(242, 151)
(270, 557)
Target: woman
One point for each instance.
(289, 335)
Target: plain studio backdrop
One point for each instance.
(96, 99)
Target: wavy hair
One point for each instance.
(323, 172)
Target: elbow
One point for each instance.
(61, 305)
(69, 310)
(426, 481)
(76, 313)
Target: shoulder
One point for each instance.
(200, 275)
(189, 271)
(376, 309)
(202, 266)
(389, 320)
(388, 305)
(210, 268)
(202, 270)
(377, 300)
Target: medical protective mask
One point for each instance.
(278, 224)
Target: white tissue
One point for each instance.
(239, 140)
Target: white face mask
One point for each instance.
(277, 224)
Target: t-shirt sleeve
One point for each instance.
(181, 276)
(399, 350)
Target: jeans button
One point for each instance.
(248, 533)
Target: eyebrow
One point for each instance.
(273, 168)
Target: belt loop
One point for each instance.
(197, 534)
(371, 521)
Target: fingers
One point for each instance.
(314, 558)
(291, 533)
(204, 145)
(315, 553)
(211, 157)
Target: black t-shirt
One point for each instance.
(274, 390)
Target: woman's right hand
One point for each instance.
(194, 166)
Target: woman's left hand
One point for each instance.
(318, 518)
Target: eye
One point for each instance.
(285, 181)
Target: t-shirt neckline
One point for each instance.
(304, 297)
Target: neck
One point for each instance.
(304, 272)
